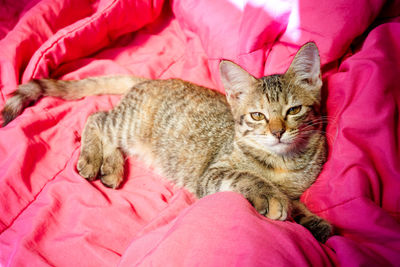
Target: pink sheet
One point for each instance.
(50, 216)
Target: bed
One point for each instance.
(50, 216)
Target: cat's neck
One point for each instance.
(292, 173)
(295, 160)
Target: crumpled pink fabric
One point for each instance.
(50, 216)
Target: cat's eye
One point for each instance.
(293, 110)
(257, 116)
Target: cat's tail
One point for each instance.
(30, 92)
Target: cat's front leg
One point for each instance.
(265, 197)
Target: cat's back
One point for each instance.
(175, 101)
(185, 126)
(177, 90)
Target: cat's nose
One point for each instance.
(277, 127)
(278, 132)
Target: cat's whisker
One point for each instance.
(328, 135)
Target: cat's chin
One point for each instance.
(280, 149)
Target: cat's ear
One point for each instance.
(306, 66)
(237, 82)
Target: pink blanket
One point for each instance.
(50, 216)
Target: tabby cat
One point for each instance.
(263, 140)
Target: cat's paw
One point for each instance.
(112, 169)
(273, 206)
(112, 180)
(109, 176)
(88, 167)
(320, 228)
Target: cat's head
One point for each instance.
(276, 113)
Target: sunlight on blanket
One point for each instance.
(276, 9)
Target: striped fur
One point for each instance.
(204, 141)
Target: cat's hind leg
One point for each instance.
(99, 155)
(91, 156)
(112, 169)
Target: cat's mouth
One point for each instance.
(280, 141)
(281, 147)
(274, 145)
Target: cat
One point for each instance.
(264, 139)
